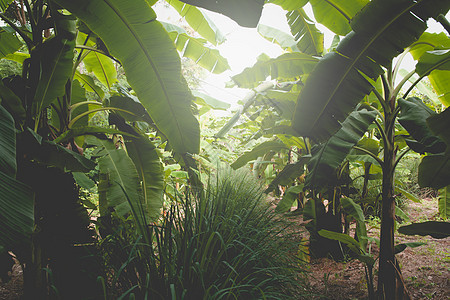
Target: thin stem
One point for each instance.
(30, 16)
(400, 85)
(379, 161)
(83, 103)
(380, 99)
(99, 51)
(444, 22)
(401, 156)
(386, 88)
(398, 63)
(381, 130)
(74, 120)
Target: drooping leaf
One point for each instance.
(336, 14)
(274, 35)
(308, 38)
(83, 180)
(285, 66)
(289, 173)
(150, 61)
(210, 101)
(413, 116)
(289, 197)
(139, 113)
(433, 60)
(199, 21)
(16, 212)
(8, 164)
(56, 62)
(444, 203)
(380, 31)
(327, 157)
(52, 154)
(9, 43)
(434, 171)
(439, 124)
(343, 238)
(406, 194)
(354, 210)
(101, 65)
(196, 49)
(119, 177)
(150, 170)
(244, 12)
(400, 247)
(438, 230)
(260, 150)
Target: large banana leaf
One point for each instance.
(9, 43)
(309, 39)
(8, 163)
(150, 170)
(336, 14)
(152, 65)
(414, 114)
(327, 157)
(428, 42)
(56, 63)
(285, 66)
(289, 173)
(274, 35)
(438, 230)
(289, 4)
(101, 65)
(380, 31)
(244, 12)
(16, 212)
(199, 21)
(119, 179)
(289, 198)
(195, 49)
(434, 171)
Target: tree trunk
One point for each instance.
(387, 272)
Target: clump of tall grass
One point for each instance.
(222, 243)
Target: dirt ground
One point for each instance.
(425, 269)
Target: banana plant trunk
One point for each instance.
(387, 272)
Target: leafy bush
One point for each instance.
(222, 243)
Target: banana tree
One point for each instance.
(342, 78)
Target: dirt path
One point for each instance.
(426, 269)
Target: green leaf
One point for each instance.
(83, 181)
(55, 155)
(439, 124)
(199, 21)
(400, 247)
(413, 116)
(444, 202)
(336, 14)
(150, 61)
(101, 65)
(17, 57)
(87, 82)
(289, 198)
(120, 179)
(9, 43)
(274, 35)
(8, 164)
(258, 151)
(308, 38)
(196, 49)
(354, 210)
(150, 170)
(285, 66)
(407, 194)
(132, 105)
(352, 244)
(433, 60)
(289, 173)
(421, 87)
(214, 103)
(440, 81)
(16, 212)
(427, 42)
(336, 85)
(56, 62)
(434, 171)
(438, 230)
(244, 12)
(327, 157)
(400, 213)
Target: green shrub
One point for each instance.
(222, 243)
